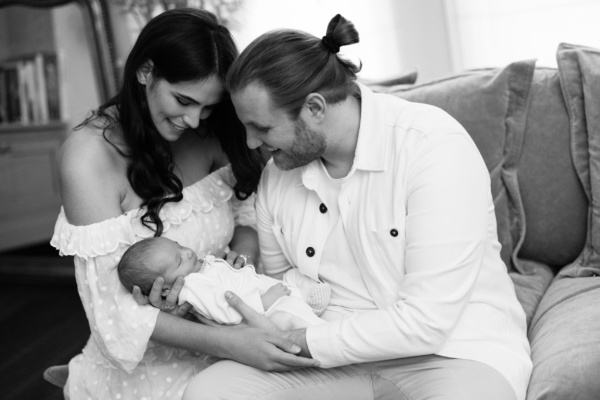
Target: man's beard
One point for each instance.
(308, 146)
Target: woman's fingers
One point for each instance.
(173, 295)
(238, 261)
(139, 297)
(155, 295)
(249, 315)
(183, 310)
(231, 259)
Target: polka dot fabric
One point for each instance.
(119, 361)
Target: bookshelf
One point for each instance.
(56, 64)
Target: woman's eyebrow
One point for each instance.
(188, 98)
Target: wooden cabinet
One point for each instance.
(29, 184)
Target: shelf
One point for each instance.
(32, 128)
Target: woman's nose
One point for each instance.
(252, 141)
(192, 117)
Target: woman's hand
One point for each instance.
(168, 304)
(238, 261)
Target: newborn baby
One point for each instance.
(207, 280)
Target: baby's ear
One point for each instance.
(165, 292)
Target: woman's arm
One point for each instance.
(261, 346)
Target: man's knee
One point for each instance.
(210, 383)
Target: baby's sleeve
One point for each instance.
(206, 294)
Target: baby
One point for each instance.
(207, 280)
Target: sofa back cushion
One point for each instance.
(579, 68)
(554, 202)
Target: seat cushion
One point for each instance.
(565, 341)
(531, 287)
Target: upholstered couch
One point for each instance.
(538, 130)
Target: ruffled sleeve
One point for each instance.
(120, 328)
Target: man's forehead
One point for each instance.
(252, 103)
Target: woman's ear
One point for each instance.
(144, 73)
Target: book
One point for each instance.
(22, 92)
(52, 80)
(13, 103)
(30, 89)
(41, 86)
(3, 97)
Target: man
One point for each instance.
(389, 202)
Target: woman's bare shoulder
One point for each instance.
(90, 147)
(93, 176)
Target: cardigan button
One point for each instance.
(310, 251)
(394, 232)
(323, 208)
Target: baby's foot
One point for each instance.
(318, 297)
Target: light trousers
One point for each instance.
(415, 378)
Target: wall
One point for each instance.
(497, 32)
(21, 38)
(396, 36)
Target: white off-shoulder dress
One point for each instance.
(119, 361)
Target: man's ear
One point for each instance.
(144, 73)
(316, 105)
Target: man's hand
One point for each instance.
(298, 336)
(258, 342)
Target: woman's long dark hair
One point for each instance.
(184, 45)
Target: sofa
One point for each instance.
(538, 130)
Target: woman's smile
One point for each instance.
(175, 126)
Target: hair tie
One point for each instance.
(330, 45)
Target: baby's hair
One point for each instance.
(132, 267)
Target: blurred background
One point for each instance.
(78, 49)
(61, 58)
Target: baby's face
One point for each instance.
(172, 260)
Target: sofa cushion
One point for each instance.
(565, 341)
(579, 69)
(554, 202)
(492, 105)
(531, 287)
(384, 85)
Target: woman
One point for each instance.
(154, 161)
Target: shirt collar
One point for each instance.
(370, 151)
(371, 146)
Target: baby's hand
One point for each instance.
(274, 292)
